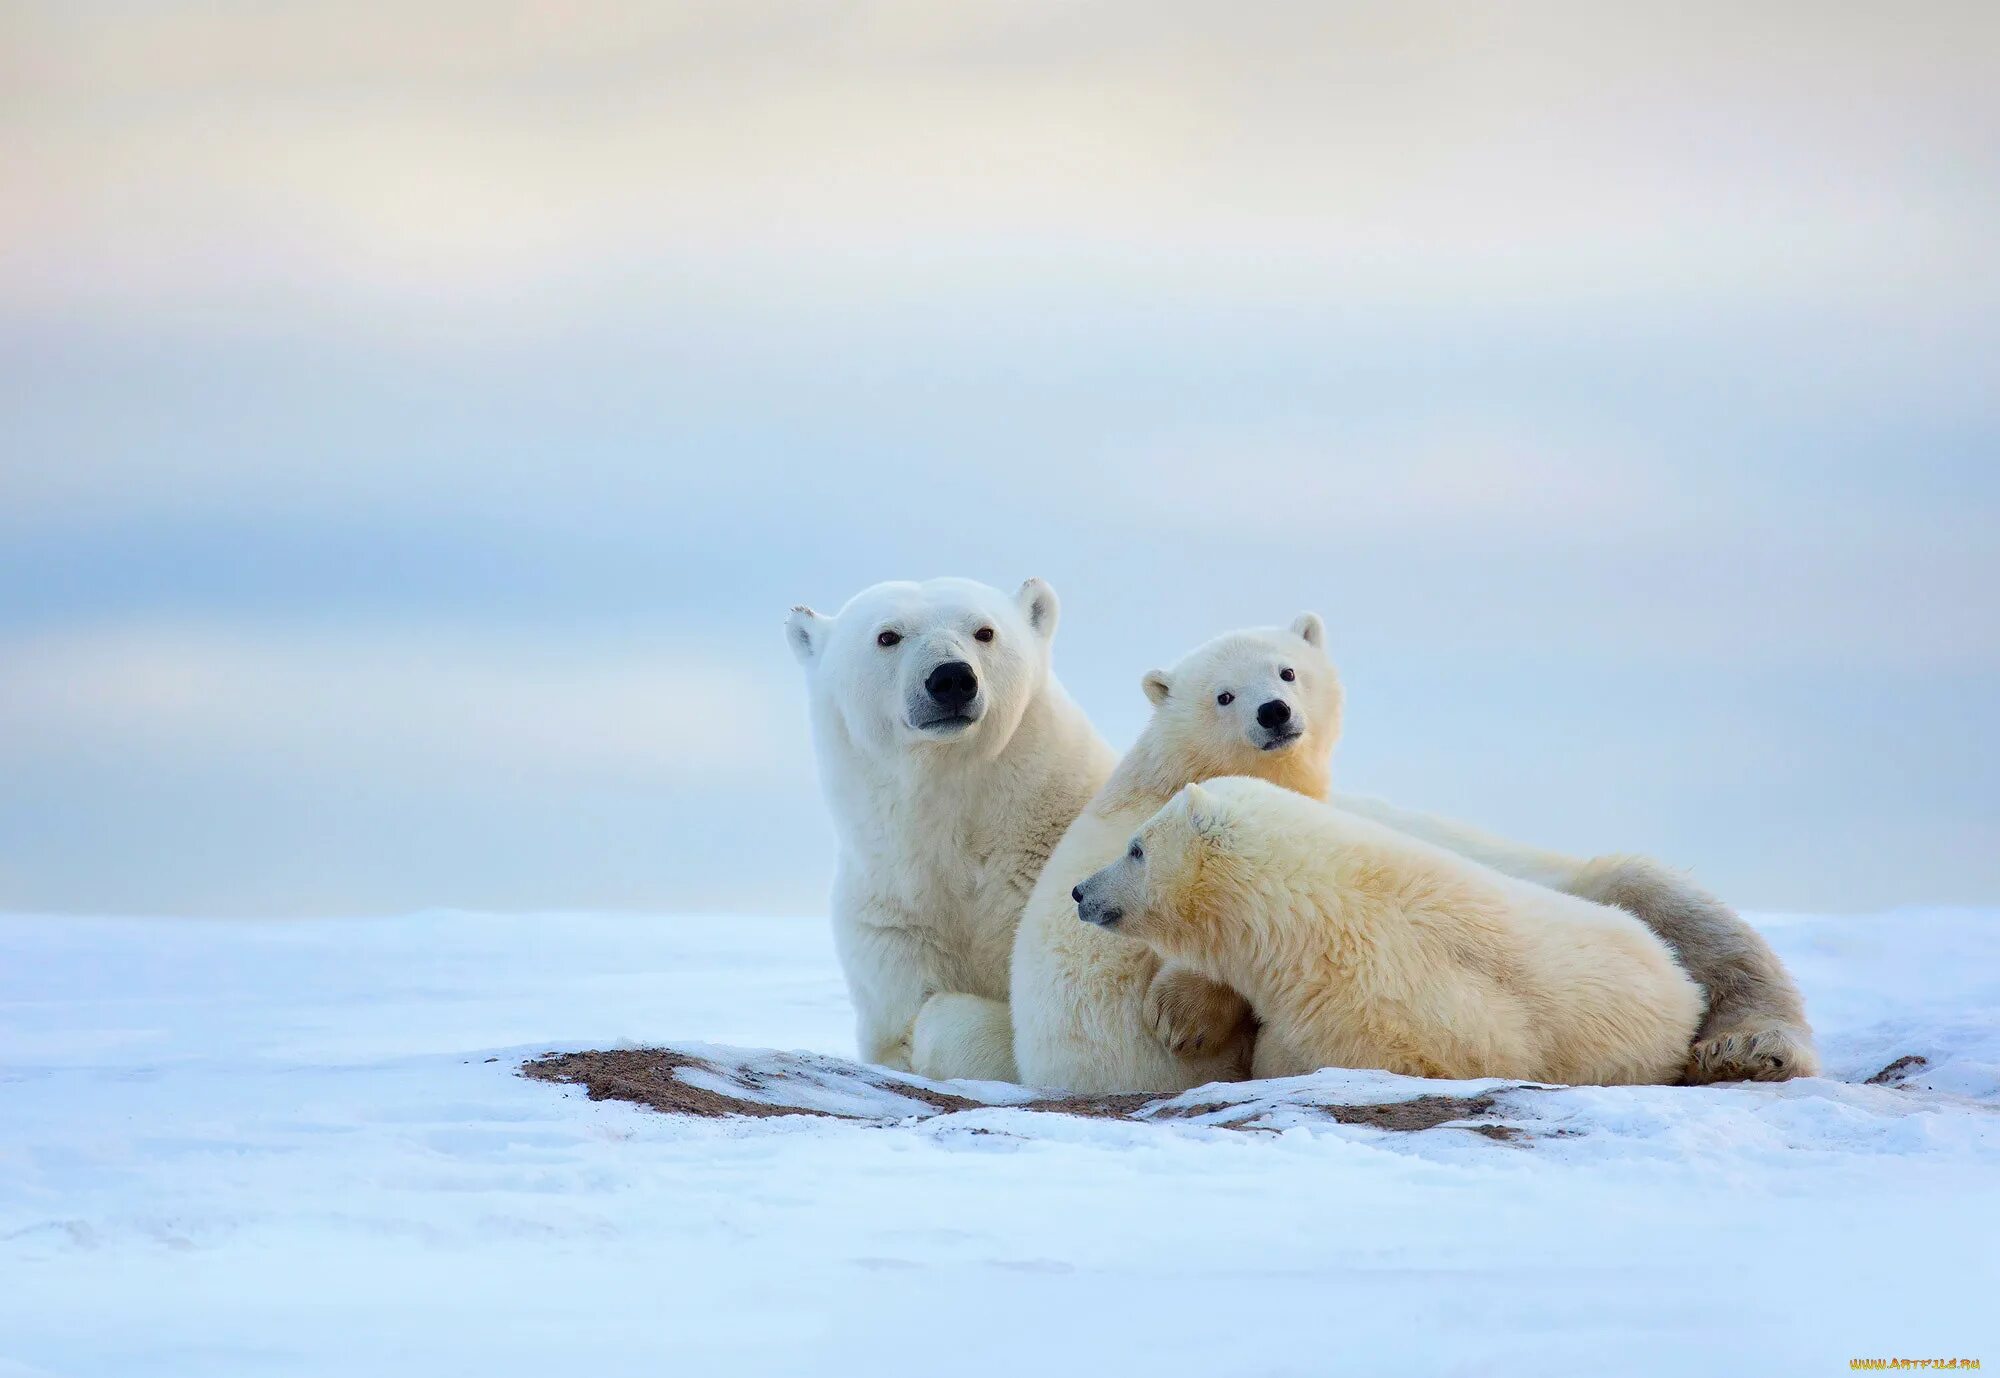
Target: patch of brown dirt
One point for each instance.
(1424, 1112)
(1122, 1107)
(1899, 1071)
(648, 1076)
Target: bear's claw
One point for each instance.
(1194, 1016)
(1777, 1053)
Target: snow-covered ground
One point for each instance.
(302, 1147)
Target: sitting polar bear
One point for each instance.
(1360, 946)
(951, 760)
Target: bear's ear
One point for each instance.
(1204, 812)
(805, 633)
(1308, 625)
(1037, 602)
(1156, 684)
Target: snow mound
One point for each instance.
(1889, 1113)
(715, 1083)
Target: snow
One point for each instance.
(303, 1148)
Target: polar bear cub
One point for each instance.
(1359, 946)
(1094, 1014)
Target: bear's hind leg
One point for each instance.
(1755, 1028)
(1775, 1052)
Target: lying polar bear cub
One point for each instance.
(1359, 946)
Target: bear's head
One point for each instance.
(948, 664)
(1264, 702)
(1178, 874)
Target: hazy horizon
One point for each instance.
(418, 420)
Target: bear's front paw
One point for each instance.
(1196, 1017)
(1774, 1053)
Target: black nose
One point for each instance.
(1274, 714)
(952, 684)
(1077, 894)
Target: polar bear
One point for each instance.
(1361, 946)
(951, 760)
(1094, 1015)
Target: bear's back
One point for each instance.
(1459, 968)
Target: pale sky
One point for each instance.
(417, 418)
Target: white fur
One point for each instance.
(1080, 995)
(941, 835)
(1361, 946)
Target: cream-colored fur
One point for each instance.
(1360, 946)
(1755, 1028)
(1083, 1019)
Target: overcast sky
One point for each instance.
(417, 419)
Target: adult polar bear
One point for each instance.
(953, 763)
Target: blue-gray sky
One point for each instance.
(418, 417)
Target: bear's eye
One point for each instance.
(887, 638)
(1225, 698)
(983, 634)
(1288, 674)
(1137, 853)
